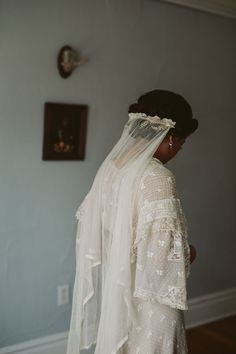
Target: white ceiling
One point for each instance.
(221, 7)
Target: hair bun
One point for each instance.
(167, 104)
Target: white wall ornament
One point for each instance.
(219, 7)
(68, 60)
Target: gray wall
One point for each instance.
(132, 49)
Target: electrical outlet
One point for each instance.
(62, 295)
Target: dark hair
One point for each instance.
(167, 104)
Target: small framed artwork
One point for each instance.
(65, 127)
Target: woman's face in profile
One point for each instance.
(177, 144)
(169, 148)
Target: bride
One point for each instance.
(132, 252)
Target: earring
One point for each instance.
(170, 145)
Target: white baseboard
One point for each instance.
(210, 307)
(54, 344)
(202, 310)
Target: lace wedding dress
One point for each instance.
(132, 253)
(160, 268)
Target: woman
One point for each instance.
(132, 252)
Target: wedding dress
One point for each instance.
(161, 256)
(132, 252)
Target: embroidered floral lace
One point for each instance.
(160, 245)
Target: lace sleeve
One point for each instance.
(160, 247)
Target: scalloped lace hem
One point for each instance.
(148, 296)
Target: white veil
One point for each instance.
(101, 309)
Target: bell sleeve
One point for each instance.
(160, 246)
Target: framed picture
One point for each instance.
(220, 7)
(65, 128)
